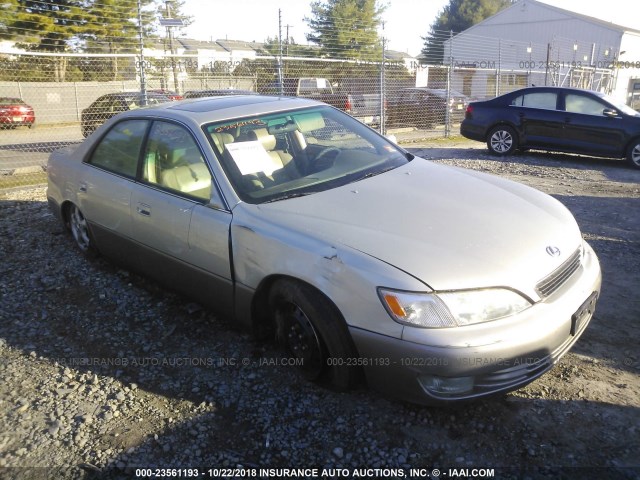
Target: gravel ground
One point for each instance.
(103, 371)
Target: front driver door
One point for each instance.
(588, 129)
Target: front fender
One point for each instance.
(349, 278)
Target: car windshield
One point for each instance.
(288, 154)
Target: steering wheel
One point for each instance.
(321, 161)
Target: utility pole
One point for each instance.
(170, 37)
(383, 100)
(447, 112)
(546, 70)
(287, 39)
(280, 78)
(143, 81)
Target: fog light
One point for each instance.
(440, 386)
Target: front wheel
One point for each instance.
(502, 140)
(313, 332)
(633, 154)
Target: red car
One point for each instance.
(14, 112)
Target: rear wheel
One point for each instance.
(313, 332)
(80, 231)
(502, 140)
(633, 154)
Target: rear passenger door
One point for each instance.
(540, 121)
(104, 189)
(179, 217)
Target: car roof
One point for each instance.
(222, 91)
(133, 94)
(551, 88)
(212, 109)
(433, 90)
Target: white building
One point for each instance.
(535, 43)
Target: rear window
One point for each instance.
(544, 100)
(11, 101)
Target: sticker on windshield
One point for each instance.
(251, 157)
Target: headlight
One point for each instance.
(451, 309)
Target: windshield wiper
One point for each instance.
(378, 172)
(288, 196)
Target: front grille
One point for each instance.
(554, 281)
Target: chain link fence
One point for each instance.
(51, 100)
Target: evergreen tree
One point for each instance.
(346, 28)
(113, 26)
(455, 17)
(7, 17)
(104, 26)
(289, 48)
(46, 25)
(172, 9)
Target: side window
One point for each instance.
(412, 96)
(544, 100)
(172, 160)
(119, 149)
(517, 102)
(405, 96)
(582, 104)
(101, 103)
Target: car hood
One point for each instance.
(450, 228)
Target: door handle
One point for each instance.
(83, 187)
(144, 209)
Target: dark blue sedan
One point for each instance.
(555, 119)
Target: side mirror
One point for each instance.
(610, 112)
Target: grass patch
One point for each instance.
(30, 179)
(446, 140)
(428, 140)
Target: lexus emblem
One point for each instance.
(553, 251)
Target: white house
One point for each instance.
(535, 43)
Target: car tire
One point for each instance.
(79, 228)
(502, 140)
(633, 153)
(311, 330)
